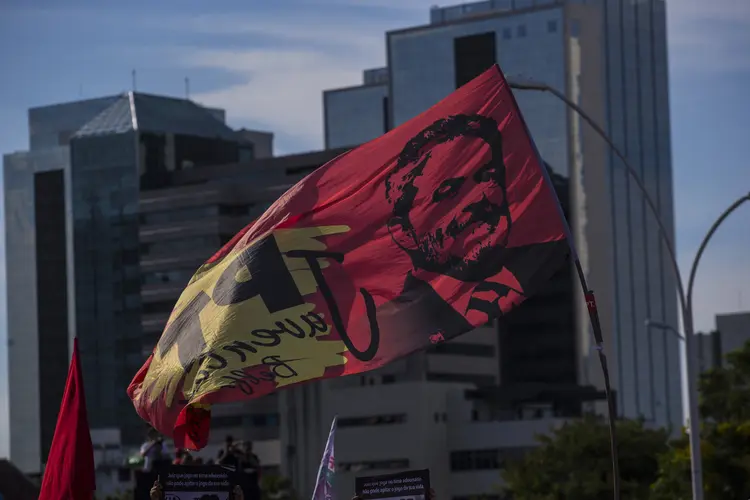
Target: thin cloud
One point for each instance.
(282, 91)
(709, 36)
(289, 29)
(720, 284)
(327, 43)
(284, 80)
(421, 6)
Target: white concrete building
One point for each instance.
(403, 417)
(416, 425)
(32, 376)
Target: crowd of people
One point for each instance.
(238, 455)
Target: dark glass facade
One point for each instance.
(108, 173)
(52, 298)
(104, 190)
(538, 339)
(472, 55)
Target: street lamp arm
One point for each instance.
(631, 171)
(693, 270)
(687, 318)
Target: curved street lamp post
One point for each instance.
(685, 299)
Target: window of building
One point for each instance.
(472, 55)
(386, 114)
(181, 276)
(51, 286)
(246, 153)
(124, 474)
(399, 418)
(489, 459)
(552, 26)
(182, 214)
(179, 245)
(462, 378)
(162, 306)
(234, 210)
(575, 28)
(262, 420)
(461, 460)
(465, 349)
(225, 421)
(521, 31)
(507, 34)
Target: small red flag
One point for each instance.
(69, 474)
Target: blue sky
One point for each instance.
(267, 63)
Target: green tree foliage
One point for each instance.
(725, 437)
(725, 391)
(274, 487)
(575, 462)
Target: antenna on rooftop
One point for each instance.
(187, 88)
(132, 74)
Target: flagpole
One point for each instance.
(687, 316)
(591, 307)
(323, 486)
(691, 280)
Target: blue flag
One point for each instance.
(324, 485)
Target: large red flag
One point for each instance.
(414, 238)
(69, 474)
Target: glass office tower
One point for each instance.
(73, 252)
(610, 57)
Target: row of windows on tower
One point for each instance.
(521, 30)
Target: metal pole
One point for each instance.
(693, 417)
(689, 330)
(691, 281)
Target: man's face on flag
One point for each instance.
(455, 226)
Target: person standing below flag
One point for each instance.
(250, 470)
(152, 450)
(229, 455)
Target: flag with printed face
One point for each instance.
(414, 238)
(324, 484)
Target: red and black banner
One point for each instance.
(414, 238)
